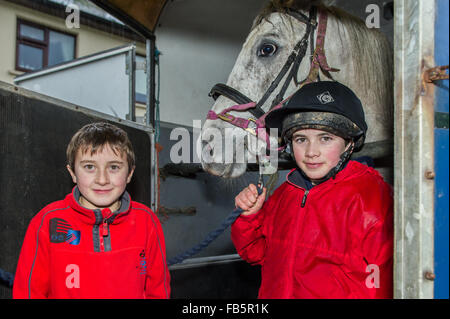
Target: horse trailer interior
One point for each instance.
(197, 45)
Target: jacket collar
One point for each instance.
(97, 216)
(296, 178)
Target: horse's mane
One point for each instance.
(373, 57)
(371, 51)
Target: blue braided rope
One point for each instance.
(6, 277)
(208, 239)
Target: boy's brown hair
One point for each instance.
(95, 136)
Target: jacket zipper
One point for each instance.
(105, 230)
(305, 195)
(103, 234)
(304, 198)
(102, 231)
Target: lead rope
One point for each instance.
(7, 278)
(215, 233)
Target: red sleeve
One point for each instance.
(158, 278)
(32, 272)
(377, 248)
(248, 233)
(248, 238)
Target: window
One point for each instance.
(38, 46)
(141, 82)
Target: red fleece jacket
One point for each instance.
(332, 241)
(73, 252)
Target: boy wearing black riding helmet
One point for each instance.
(327, 231)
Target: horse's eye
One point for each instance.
(267, 49)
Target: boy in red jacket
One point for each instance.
(327, 232)
(96, 242)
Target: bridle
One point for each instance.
(256, 125)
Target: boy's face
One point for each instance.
(101, 177)
(316, 152)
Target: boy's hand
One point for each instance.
(249, 201)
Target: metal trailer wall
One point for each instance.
(34, 133)
(421, 151)
(413, 149)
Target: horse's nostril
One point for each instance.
(206, 138)
(206, 145)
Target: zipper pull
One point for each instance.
(304, 198)
(105, 228)
(105, 212)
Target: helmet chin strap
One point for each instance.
(345, 156)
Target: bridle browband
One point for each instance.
(256, 126)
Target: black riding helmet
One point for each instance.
(327, 106)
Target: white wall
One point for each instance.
(200, 41)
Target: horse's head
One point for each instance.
(261, 59)
(285, 32)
